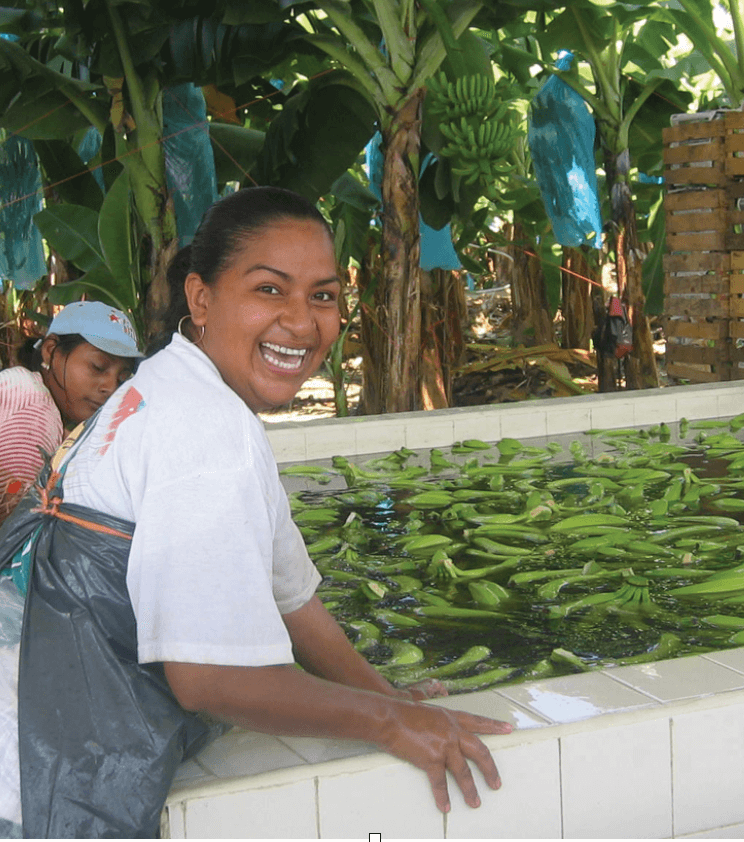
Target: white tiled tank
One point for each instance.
(646, 751)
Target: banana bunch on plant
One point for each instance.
(476, 123)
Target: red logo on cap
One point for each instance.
(113, 317)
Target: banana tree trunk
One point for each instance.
(444, 312)
(532, 324)
(578, 318)
(144, 158)
(395, 321)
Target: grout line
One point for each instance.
(560, 785)
(671, 769)
(316, 781)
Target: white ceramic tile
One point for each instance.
(707, 768)
(571, 698)
(568, 419)
(478, 423)
(279, 812)
(526, 421)
(682, 678)
(431, 432)
(190, 771)
(245, 753)
(489, 703)
(172, 822)
(379, 434)
(394, 800)
(654, 409)
(616, 782)
(732, 831)
(318, 749)
(731, 658)
(287, 443)
(731, 401)
(696, 405)
(528, 804)
(608, 414)
(336, 438)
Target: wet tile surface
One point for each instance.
(731, 658)
(575, 697)
(682, 678)
(245, 753)
(492, 704)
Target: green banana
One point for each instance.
(580, 523)
(497, 548)
(488, 594)
(566, 658)
(403, 652)
(478, 681)
(666, 647)
(424, 545)
(452, 612)
(430, 500)
(394, 618)
(712, 587)
(368, 634)
(724, 621)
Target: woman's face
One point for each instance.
(272, 315)
(81, 380)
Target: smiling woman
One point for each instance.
(269, 322)
(192, 587)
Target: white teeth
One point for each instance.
(280, 349)
(288, 352)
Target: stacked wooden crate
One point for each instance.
(704, 260)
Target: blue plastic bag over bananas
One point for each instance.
(561, 139)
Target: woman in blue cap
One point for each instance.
(89, 350)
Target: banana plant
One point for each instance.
(623, 45)
(696, 19)
(100, 244)
(392, 49)
(106, 66)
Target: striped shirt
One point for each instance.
(29, 424)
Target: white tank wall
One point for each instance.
(645, 751)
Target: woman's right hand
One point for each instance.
(436, 740)
(281, 699)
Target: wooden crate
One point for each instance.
(707, 153)
(704, 264)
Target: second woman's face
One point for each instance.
(82, 380)
(271, 316)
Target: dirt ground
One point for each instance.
(493, 371)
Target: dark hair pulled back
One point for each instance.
(29, 356)
(224, 228)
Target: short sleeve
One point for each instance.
(209, 582)
(30, 426)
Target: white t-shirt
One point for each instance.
(215, 558)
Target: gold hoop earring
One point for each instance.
(179, 329)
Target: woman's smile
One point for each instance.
(288, 358)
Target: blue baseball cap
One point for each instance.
(100, 324)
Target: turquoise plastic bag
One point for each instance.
(561, 139)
